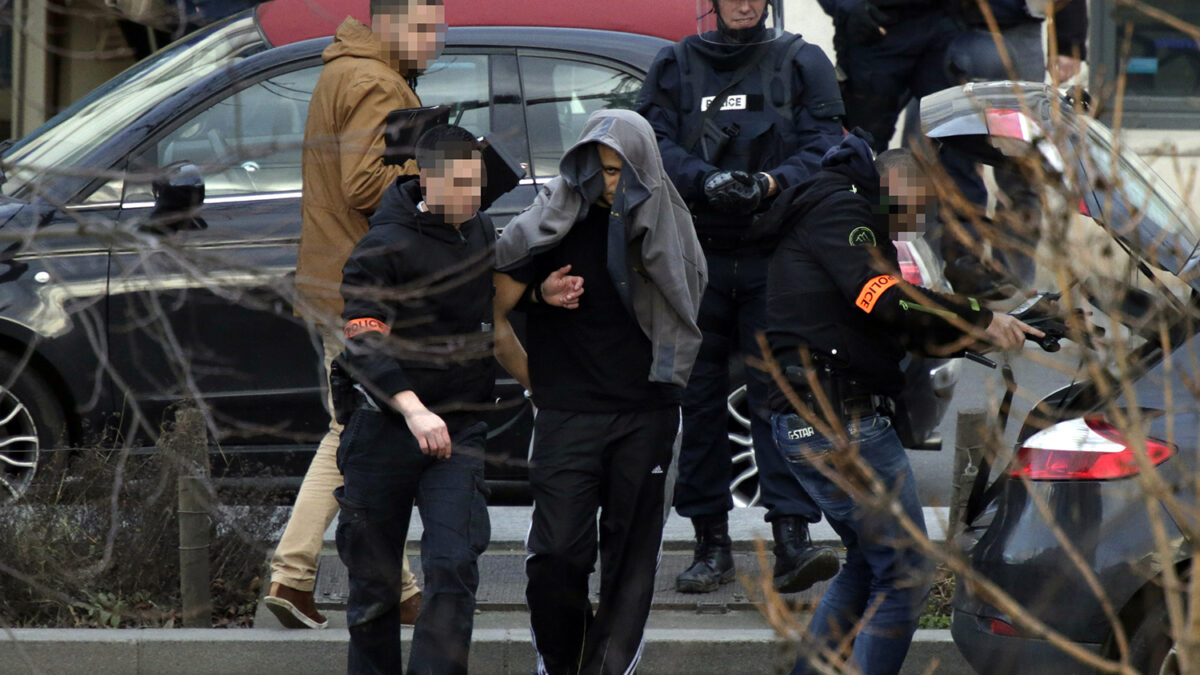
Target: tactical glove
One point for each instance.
(864, 22)
(733, 191)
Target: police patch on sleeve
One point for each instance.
(862, 236)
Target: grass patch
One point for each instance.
(97, 546)
(938, 609)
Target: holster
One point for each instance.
(847, 398)
(346, 397)
(714, 140)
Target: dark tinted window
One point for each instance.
(560, 95)
(1163, 61)
(249, 142)
(460, 80)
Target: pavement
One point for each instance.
(722, 632)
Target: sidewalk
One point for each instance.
(718, 633)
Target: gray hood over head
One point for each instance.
(654, 257)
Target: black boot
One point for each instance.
(799, 564)
(712, 564)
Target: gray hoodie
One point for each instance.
(654, 257)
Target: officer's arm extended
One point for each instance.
(928, 322)
(366, 279)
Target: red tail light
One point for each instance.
(1083, 449)
(1009, 124)
(909, 269)
(1001, 627)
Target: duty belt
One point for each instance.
(847, 397)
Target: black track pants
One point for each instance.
(616, 463)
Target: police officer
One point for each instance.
(888, 51)
(741, 111)
(835, 294)
(423, 360)
(974, 56)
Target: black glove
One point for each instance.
(863, 23)
(733, 191)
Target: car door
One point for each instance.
(203, 309)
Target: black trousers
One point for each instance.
(386, 472)
(583, 463)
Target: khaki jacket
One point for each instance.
(344, 176)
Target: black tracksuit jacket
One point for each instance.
(419, 307)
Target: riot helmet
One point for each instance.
(743, 22)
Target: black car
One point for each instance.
(1074, 502)
(107, 316)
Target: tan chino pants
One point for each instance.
(295, 561)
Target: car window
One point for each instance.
(560, 94)
(69, 136)
(1145, 211)
(247, 143)
(460, 80)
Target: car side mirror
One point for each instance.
(178, 196)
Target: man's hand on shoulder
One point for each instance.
(429, 429)
(561, 289)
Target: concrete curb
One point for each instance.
(511, 523)
(494, 651)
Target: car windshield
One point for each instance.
(69, 136)
(1144, 210)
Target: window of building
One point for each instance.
(1161, 69)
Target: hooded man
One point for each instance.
(367, 74)
(606, 366)
(779, 111)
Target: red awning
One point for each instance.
(287, 21)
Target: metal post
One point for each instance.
(970, 439)
(188, 440)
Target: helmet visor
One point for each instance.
(739, 21)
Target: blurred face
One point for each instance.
(453, 188)
(412, 32)
(909, 196)
(611, 163)
(741, 14)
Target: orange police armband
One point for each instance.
(356, 327)
(871, 291)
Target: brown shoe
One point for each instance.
(409, 609)
(294, 608)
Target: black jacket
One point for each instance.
(1071, 18)
(419, 307)
(781, 117)
(833, 283)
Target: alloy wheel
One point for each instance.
(743, 482)
(19, 446)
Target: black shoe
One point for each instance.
(799, 564)
(712, 564)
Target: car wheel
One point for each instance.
(743, 481)
(1151, 647)
(30, 419)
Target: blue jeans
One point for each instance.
(732, 311)
(880, 572)
(385, 473)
